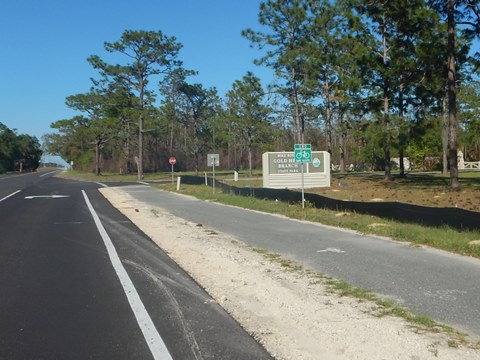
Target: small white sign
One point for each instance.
(213, 160)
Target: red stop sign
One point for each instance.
(172, 160)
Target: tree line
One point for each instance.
(366, 81)
(18, 152)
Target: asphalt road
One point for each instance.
(79, 281)
(438, 284)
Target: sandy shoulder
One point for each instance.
(292, 317)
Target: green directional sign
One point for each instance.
(303, 153)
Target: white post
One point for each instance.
(235, 176)
(178, 183)
(213, 176)
(460, 160)
(303, 188)
(206, 182)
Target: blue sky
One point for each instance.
(45, 44)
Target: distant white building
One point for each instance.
(406, 162)
(467, 165)
(460, 160)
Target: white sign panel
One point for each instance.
(213, 160)
(280, 170)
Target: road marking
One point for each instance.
(6, 197)
(448, 295)
(68, 223)
(51, 172)
(46, 197)
(150, 333)
(332, 250)
(101, 184)
(143, 182)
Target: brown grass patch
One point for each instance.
(430, 191)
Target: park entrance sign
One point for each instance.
(282, 170)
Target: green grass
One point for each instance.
(112, 177)
(444, 238)
(227, 176)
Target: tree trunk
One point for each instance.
(140, 148)
(250, 160)
(452, 99)
(141, 89)
(235, 155)
(97, 156)
(171, 139)
(128, 148)
(328, 116)
(299, 126)
(444, 138)
(386, 117)
(196, 162)
(400, 115)
(342, 140)
(229, 141)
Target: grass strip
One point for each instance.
(444, 238)
(382, 308)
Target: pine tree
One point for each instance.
(467, 14)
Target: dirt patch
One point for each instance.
(376, 225)
(423, 191)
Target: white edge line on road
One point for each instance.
(150, 333)
(6, 197)
(101, 184)
(143, 182)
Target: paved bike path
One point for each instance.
(429, 282)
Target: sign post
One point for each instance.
(213, 160)
(172, 161)
(303, 154)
